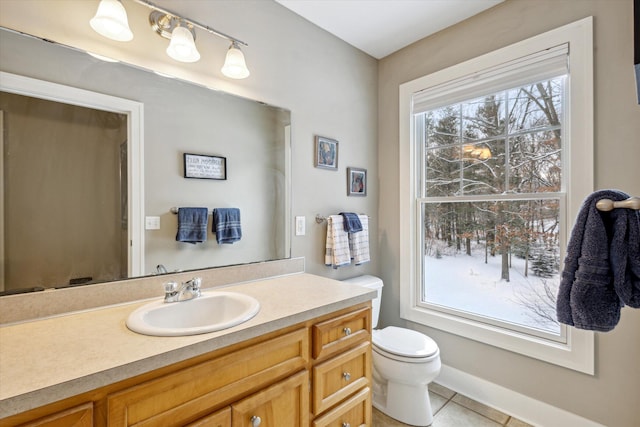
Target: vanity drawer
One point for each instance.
(337, 378)
(339, 333)
(181, 397)
(353, 412)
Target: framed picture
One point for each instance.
(205, 167)
(356, 182)
(326, 153)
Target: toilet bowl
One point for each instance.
(404, 363)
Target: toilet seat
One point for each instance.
(404, 344)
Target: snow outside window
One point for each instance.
(491, 193)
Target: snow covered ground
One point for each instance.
(468, 284)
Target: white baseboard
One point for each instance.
(518, 405)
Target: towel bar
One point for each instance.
(174, 210)
(606, 205)
(320, 219)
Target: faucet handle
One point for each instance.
(170, 287)
(196, 282)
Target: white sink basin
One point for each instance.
(212, 311)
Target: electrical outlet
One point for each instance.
(300, 226)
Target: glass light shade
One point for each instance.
(182, 47)
(234, 65)
(111, 21)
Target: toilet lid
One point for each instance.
(404, 342)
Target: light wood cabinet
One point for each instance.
(353, 412)
(283, 404)
(221, 418)
(177, 398)
(341, 332)
(79, 416)
(316, 373)
(341, 347)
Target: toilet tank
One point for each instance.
(371, 282)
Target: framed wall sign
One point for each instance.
(205, 167)
(326, 153)
(356, 182)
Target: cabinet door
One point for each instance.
(79, 416)
(337, 378)
(284, 404)
(221, 418)
(353, 412)
(337, 334)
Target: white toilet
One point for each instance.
(404, 363)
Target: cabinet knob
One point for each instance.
(255, 421)
(347, 331)
(346, 425)
(346, 376)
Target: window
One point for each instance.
(490, 192)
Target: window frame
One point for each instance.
(577, 350)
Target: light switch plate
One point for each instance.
(152, 223)
(300, 226)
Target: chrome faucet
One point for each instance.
(183, 292)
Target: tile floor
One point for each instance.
(452, 409)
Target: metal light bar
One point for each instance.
(189, 21)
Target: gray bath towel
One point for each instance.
(192, 225)
(602, 265)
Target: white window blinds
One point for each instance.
(539, 66)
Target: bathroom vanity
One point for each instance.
(303, 360)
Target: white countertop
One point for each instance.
(47, 360)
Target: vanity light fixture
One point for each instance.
(181, 33)
(234, 65)
(111, 21)
(182, 46)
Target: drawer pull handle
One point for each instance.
(346, 425)
(255, 421)
(346, 376)
(347, 331)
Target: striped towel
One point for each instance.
(359, 242)
(337, 244)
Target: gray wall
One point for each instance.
(611, 396)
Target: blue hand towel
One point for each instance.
(602, 268)
(226, 225)
(352, 222)
(192, 225)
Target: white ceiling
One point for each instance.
(381, 27)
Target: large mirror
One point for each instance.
(66, 166)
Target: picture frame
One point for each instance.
(326, 153)
(200, 166)
(356, 182)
